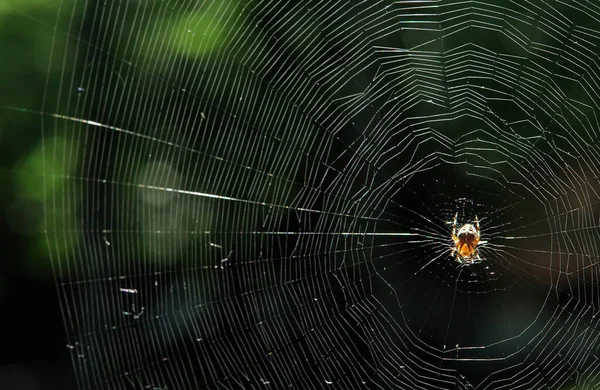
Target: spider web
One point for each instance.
(264, 193)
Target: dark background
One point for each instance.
(33, 354)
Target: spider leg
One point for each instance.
(454, 226)
(477, 223)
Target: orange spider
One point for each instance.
(466, 241)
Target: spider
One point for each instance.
(465, 242)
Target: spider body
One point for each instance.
(465, 241)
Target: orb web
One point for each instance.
(265, 193)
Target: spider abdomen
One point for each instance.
(466, 241)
